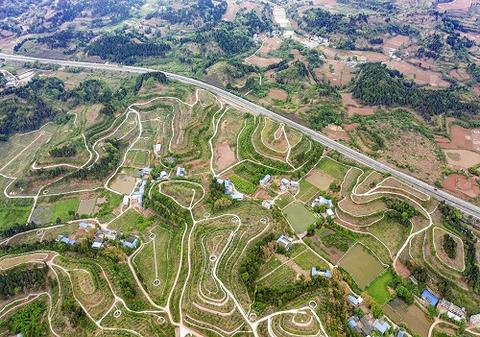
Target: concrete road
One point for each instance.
(240, 102)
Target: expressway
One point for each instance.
(242, 103)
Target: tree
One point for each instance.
(449, 246)
(311, 229)
(377, 310)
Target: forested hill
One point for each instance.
(378, 85)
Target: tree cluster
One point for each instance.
(122, 48)
(400, 210)
(378, 85)
(67, 150)
(449, 246)
(22, 280)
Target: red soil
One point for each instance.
(462, 185)
(461, 138)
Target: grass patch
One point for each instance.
(378, 289)
(64, 209)
(130, 221)
(284, 200)
(299, 217)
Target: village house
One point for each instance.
(157, 148)
(320, 200)
(367, 325)
(323, 273)
(137, 195)
(181, 171)
(97, 243)
(145, 171)
(330, 212)
(106, 234)
(451, 310)
(66, 240)
(265, 180)
(267, 204)
(131, 242)
(163, 175)
(126, 200)
(429, 298)
(285, 242)
(354, 300)
(475, 320)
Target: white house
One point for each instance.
(157, 148)
(355, 300)
(267, 204)
(265, 180)
(330, 213)
(126, 200)
(163, 175)
(181, 171)
(285, 241)
(453, 311)
(475, 320)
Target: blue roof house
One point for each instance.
(381, 326)
(430, 298)
(131, 242)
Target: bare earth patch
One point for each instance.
(123, 184)
(462, 159)
(336, 72)
(461, 138)
(225, 156)
(320, 179)
(396, 42)
(278, 94)
(336, 132)
(414, 151)
(262, 61)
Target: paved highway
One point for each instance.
(240, 102)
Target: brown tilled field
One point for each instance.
(417, 74)
(234, 6)
(262, 61)
(461, 138)
(336, 72)
(354, 107)
(395, 42)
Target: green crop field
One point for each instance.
(332, 168)
(299, 216)
(362, 265)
